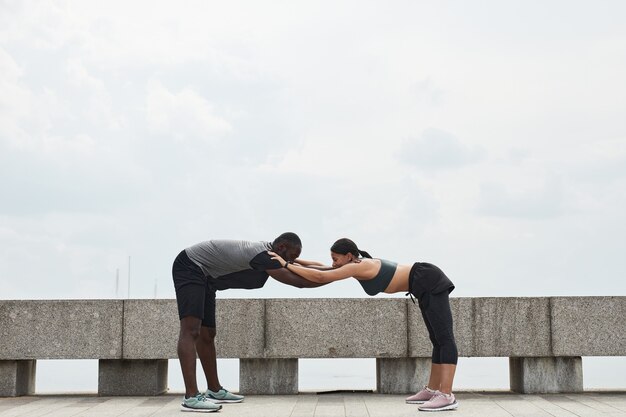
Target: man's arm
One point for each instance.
(287, 277)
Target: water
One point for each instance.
(81, 376)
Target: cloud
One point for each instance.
(500, 200)
(518, 155)
(428, 92)
(59, 255)
(316, 157)
(136, 129)
(436, 149)
(33, 185)
(184, 115)
(601, 163)
(14, 100)
(92, 91)
(44, 121)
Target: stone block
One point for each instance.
(588, 326)
(17, 378)
(462, 318)
(268, 376)
(61, 329)
(240, 328)
(401, 375)
(506, 326)
(546, 375)
(335, 328)
(132, 377)
(151, 328)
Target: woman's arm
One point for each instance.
(313, 264)
(322, 277)
(304, 262)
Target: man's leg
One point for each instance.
(190, 284)
(187, 340)
(205, 345)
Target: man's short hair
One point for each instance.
(288, 238)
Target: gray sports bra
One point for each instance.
(381, 281)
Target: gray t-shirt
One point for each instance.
(221, 257)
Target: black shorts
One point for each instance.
(425, 279)
(194, 294)
(432, 287)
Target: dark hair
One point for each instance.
(288, 238)
(344, 246)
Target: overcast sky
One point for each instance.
(486, 137)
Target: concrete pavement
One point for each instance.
(474, 404)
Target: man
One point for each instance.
(201, 270)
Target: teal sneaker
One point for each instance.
(222, 396)
(199, 404)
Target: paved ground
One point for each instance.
(590, 404)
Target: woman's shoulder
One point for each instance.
(368, 268)
(382, 260)
(370, 261)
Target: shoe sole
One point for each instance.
(452, 406)
(216, 401)
(199, 410)
(416, 401)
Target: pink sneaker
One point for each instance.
(422, 396)
(440, 402)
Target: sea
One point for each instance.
(326, 375)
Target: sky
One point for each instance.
(486, 137)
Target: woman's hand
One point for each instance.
(276, 256)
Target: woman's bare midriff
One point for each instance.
(400, 280)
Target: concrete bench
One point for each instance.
(544, 338)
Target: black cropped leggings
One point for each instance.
(437, 315)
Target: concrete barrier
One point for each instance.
(336, 328)
(545, 339)
(151, 328)
(462, 314)
(63, 329)
(588, 326)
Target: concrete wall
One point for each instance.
(314, 328)
(588, 326)
(490, 327)
(544, 338)
(335, 328)
(68, 329)
(151, 328)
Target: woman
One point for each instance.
(424, 281)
